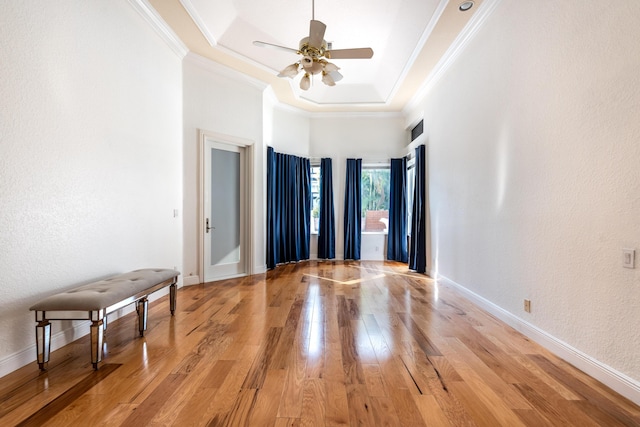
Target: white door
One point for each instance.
(224, 210)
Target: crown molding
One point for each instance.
(358, 115)
(414, 55)
(223, 70)
(282, 106)
(144, 8)
(454, 51)
(279, 105)
(193, 13)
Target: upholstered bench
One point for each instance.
(94, 301)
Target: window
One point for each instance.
(375, 198)
(315, 198)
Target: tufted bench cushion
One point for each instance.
(94, 301)
(105, 293)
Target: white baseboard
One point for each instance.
(195, 279)
(191, 280)
(77, 330)
(617, 381)
(621, 383)
(28, 355)
(17, 360)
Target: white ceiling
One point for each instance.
(409, 38)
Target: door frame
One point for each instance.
(247, 242)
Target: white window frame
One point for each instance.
(376, 165)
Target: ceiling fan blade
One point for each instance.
(274, 46)
(359, 53)
(316, 33)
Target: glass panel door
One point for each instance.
(224, 211)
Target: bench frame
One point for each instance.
(98, 320)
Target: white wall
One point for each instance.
(372, 137)
(290, 131)
(221, 101)
(218, 100)
(90, 171)
(534, 153)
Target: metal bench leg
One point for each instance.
(142, 307)
(43, 343)
(173, 290)
(97, 338)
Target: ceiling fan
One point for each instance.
(315, 51)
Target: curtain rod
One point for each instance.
(365, 161)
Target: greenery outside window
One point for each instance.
(375, 198)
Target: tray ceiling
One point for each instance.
(409, 39)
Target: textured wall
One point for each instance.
(216, 100)
(534, 154)
(374, 138)
(90, 131)
(290, 131)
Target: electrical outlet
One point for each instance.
(527, 305)
(628, 258)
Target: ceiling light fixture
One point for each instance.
(315, 51)
(465, 6)
(327, 79)
(305, 82)
(313, 65)
(291, 71)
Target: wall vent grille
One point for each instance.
(417, 130)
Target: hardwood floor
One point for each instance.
(315, 343)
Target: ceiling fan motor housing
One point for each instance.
(312, 56)
(315, 51)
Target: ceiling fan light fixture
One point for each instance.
(329, 67)
(327, 79)
(315, 52)
(290, 71)
(336, 76)
(305, 82)
(307, 61)
(314, 68)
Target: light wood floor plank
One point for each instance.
(431, 413)
(313, 344)
(265, 411)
